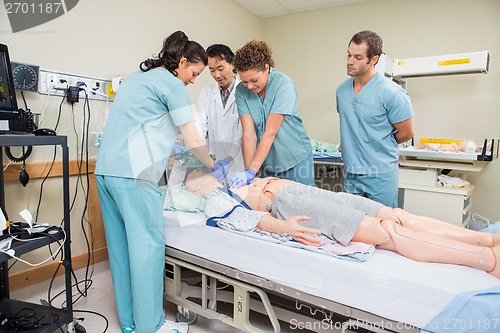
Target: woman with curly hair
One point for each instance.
(274, 142)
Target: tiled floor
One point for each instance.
(100, 299)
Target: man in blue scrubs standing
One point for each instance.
(375, 116)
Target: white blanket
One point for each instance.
(388, 284)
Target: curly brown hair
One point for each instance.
(253, 55)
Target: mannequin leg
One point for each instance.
(371, 232)
(434, 248)
(447, 230)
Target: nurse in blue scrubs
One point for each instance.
(275, 142)
(375, 116)
(150, 107)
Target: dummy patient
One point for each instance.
(303, 212)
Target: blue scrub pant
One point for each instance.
(382, 187)
(132, 211)
(302, 173)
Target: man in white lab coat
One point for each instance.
(217, 111)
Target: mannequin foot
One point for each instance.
(496, 271)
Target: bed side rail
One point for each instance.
(290, 305)
(209, 297)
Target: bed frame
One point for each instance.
(199, 285)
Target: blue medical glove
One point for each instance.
(242, 178)
(225, 165)
(178, 150)
(218, 171)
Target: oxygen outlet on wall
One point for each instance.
(115, 83)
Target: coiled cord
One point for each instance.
(26, 319)
(21, 158)
(26, 117)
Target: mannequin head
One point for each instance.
(201, 182)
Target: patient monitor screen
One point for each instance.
(6, 102)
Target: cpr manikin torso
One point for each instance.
(260, 194)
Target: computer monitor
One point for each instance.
(8, 101)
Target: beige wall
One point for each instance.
(107, 38)
(311, 48)
(104, 39)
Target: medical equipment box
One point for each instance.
(418, 176)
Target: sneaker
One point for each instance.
(172, 327)
(130, 329)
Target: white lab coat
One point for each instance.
(223, 125)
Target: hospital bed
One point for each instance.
(208, 267)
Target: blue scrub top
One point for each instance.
(291, 144)
(366, 124)
(143, 125)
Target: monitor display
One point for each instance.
(8, 101)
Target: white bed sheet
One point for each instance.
(388, 284)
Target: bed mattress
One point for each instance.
(387, 285)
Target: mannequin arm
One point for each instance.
(292, 227)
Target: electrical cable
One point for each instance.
(79, 181)
(43, 182)
(97, 314)
(19, 231)
(44, 107)
(60, 111)
(51, 165)
(41, 189)
(26, 319)
(7, 252)
(88, 274)
(87, 281)
(30, 124)
(7, 166)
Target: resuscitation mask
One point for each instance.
(175, 178)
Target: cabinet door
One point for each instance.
(442, 206)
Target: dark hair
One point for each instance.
(221, 52)
(176, 46)
(373, 41)
(253, 55)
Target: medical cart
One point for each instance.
(54, 318)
